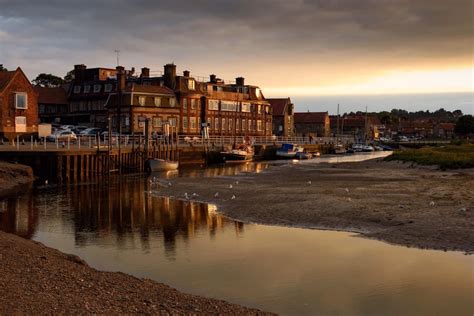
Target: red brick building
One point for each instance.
(18, 105)
(312, 123)
(283, 117)
(52, 104)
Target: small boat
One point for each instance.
(367, 148)
(301, 155)
(242, 153)
(339, 149)
(288, 151)
(357, 148)
(156, 165)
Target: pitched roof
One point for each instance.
(279, 105)
(149, 89)
(5, 78)
(311, 117)
(51, 95)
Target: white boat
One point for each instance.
(367, 148)
(339, 149)
(156, 165)
(242, 153)
(288, 151)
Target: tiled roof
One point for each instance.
(279, 105)
(149, 89)
(311, 117)
(51, 95)
(5, 78)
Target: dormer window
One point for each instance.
(96, 88)
(108, 87)
(141, 101)
(157, 101)
(172, 102)
(87, 89)
(21, 101)
(77, 89)
(191, 84)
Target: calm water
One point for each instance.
(117, 226)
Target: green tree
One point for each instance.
(69, 76)
(48, 80)
(465, 125)
(3, 68)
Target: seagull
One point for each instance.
(216, 195)
(432, 203)
(195, 194)
(186, 196)
(347, 190)
(230, 186)
(309, 182)
(46, 182)
(169, 184)
(233, 197)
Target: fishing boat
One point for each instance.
(302, 155)
(157, 165)
(288, 151)
(339, 149)
(241, 153)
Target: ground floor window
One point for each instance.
(192, 123)
(185, 123)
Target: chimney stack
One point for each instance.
(120, 78)
(170, 76)
(145, 72)
(79, 73)
(213, 78)
(240, 81)
(186, 73)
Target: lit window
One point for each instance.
(259, 125)
(249, 127)
(217, 125)
(257, 93)
(157, 122)
(21, 101)
(245, 107)
(185, 104)
(231, 124)
(191, 84)
(243, 124)
(192, 122)
(193, 104)
(141, 101)
(223, 124)
(87, 89)
(108, 87)
(157, 101)
(185, 123)
(213, 105)
(228, 106)
(96, 88)
(77, 89)
(237, 124)
(172, 102)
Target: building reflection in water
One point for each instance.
(19, 215)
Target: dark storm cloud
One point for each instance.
(206, 33)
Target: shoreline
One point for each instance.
(386, 201)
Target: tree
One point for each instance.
(465, 125)
(3, 68)
(69, 76)
(48, 80)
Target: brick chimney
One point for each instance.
(212, 78)
(240, 81)
(120, 78)
(79, 73)
(170, 76)
(145, 72)
(186, 73)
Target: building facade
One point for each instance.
(283, 117)
(315, 124)
(53, 106)
(18, 105)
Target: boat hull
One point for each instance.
(157, 165)
(230, 157)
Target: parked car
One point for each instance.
(79, 129)
(91, 131)
(63, 136)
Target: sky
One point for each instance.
(301, 48)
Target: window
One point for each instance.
(185, 123)
(209, 122)
(87, 89)
(21, 101)
(20, 124)
(259, 109)
(185, 104)
(216, 125)
(257, 93)
(172, 102)
(223, 124)
(108, 87)
(228, 106)
(141, 100)
(245, 107)
(191, 84)
(77, 89)
(213, 105)
(243, 125)
(96, 88)
(231, 124)
(249, 127)
(192, 122)
(41, 108)
(157, 122)
(157, 101)
(173, 121)
(193, 104)
(259, 126)
(237, 124)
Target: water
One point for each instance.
(116, 226)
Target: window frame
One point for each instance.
(25, 95)
(140, 99)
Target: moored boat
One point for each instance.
(288, 151)
(157, 165)
(242, 153)
(302, 155)
(339, 149)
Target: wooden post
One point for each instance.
(68, 168)
(59, 168)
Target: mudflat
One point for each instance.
(12, 176)
(390, 201)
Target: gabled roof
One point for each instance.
(311, 117)
(279, 105)
(51, 95)
(5, 78)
